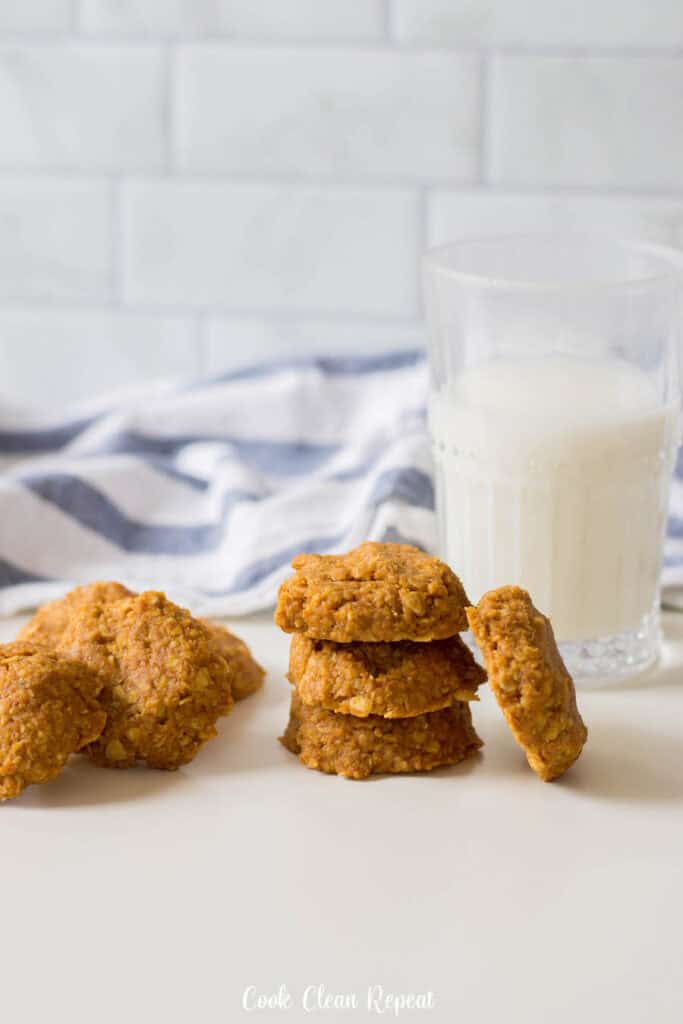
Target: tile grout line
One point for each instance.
(484, 118)
(61, 176)
(388, 33)
(422, 245)
(201, 341)
(196, 327)
(168, 112)
(51, 39)
(116, 244)
(55, 39)
(43, 304)
(75, 17)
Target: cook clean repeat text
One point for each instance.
(318, 999)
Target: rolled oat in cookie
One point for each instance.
(359, 747)
(398, 680)
(529, 679)
(376, 593)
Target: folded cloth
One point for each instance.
(208, 490)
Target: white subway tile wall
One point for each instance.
(55, 240)
(32, 16)
(82, 108)
(233, 342)
(189, 185)
(208, 245)
(328, 113)
(462, 214)
(237, 19)
(592, 121)
(612, 24)
(37, 348)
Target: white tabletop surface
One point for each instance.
(146, 896)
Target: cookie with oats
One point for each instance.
(529, 679)
(50, 621)
(376, 593)
(48, 711)
(247, 674)
(397, 680)
(359, 747)
(164, 684)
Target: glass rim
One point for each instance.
(434, 261)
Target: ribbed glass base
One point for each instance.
(608, 659)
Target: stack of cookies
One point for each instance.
(382, 680)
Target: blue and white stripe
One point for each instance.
(208, 490)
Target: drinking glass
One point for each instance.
(554, 413)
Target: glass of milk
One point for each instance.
(555, 417)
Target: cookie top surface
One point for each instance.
(529, 679)
(377, 592)
(398, 680)
(247, 674)
(359, 747)
(48, 710)
(164, 682)
(50, 621)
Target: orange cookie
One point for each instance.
(529, 679)
(358, 747)
(164, 684)
(398, 680)
(247, 674)
(376, 593)
(48, 710)
(50, 621)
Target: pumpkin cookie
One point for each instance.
(377, 592)
(398, 680)
(50, 621)
(358, 747)
(247, 674)
(164, 685)
(529, 679)
(48, 710)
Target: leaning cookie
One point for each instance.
(48, 711)
(377, 592)
(359, 747)
(247, 674)
(529, 679)
(398, 680)
(164, 684)
(50, 621)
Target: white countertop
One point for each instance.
(149, 896)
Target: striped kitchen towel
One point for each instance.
(207, 490)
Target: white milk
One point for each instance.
(554, 474)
